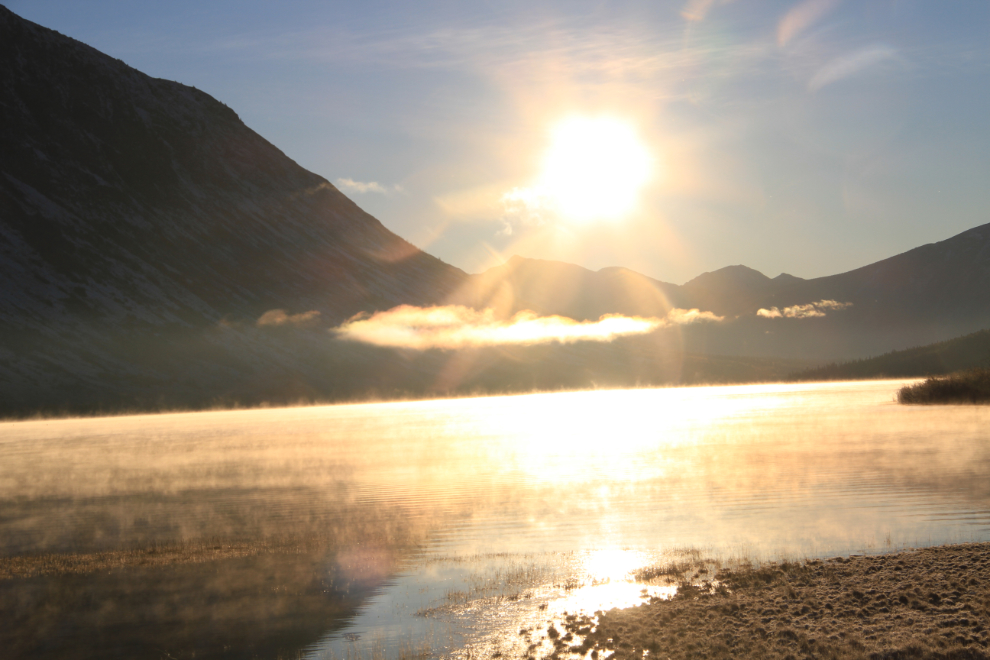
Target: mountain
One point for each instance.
(729, 290)
(144, 231)
(555, 287)
(181, 212)
(928, 294)
(155, 252)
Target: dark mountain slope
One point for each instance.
(144, 230)
(127, 197)
(929, 294)
(947, 280)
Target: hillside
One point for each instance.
(967, 352)
(146, 230)
(184, 213)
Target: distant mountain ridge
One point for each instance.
(556, 287)
(931, 293)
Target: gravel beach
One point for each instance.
(929, 603)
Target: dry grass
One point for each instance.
(971, 386)
(154, 556)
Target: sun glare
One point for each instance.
(595, 168)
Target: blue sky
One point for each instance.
(809, 136)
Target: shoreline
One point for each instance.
(925, 604)
(929, 603)
(44, 415)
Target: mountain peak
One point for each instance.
(737, 275)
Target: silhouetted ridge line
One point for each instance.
(925, 295)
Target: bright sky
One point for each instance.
(800, 136)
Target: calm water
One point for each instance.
(452, 523)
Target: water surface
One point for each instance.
(444, 524)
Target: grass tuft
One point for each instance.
(971, 386)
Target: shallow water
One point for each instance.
(454, 523)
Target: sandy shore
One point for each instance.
(931, 603)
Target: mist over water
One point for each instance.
(438, 523)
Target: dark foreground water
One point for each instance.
(442, 527)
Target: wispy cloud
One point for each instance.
(851, 64)
(279, 317)
(564, 47)
(363, 187)
(696, 10)
(811, 310)
(454, 327)
(527, 206)
(801, 17)
(574, 47)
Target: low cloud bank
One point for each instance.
(832, 304)
(811, 310)
(278, 317)
(454, 326)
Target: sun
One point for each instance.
(595, 168)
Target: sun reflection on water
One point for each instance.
(603, 597)
(499, 513)
(612, 564)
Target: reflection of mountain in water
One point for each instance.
(146, 231)
(236, 538)
(263, 606)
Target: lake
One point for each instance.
(443, 527)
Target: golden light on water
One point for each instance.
(590, 599)
(611, 583)
(595, 168)
(452, 518)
